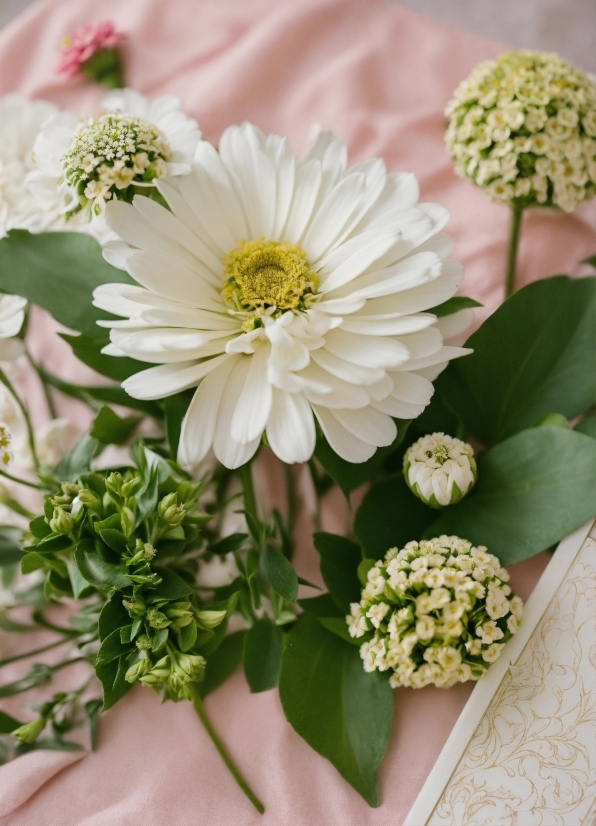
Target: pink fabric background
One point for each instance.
(380, 76)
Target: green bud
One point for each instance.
(61, 522)
(144, 643)
(187, 668)
(169, 510)
(210, 619)
(188, 493)
(135, 606)
(128, 520)
(89, 499)
(131, 487)
(137, 670)
(159, 674)
(30, 731)
(114, 483)
(144, 552)
(156, 619)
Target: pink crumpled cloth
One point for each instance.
(380, 76)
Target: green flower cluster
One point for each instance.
(439, 611)
(524, 127)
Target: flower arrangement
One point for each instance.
(241, 299)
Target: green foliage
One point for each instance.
(223, 662)
(110, 429)
(390, 516)
(533, 356)
(58, 271)
(453, 305)
(78, 460)
(587, 425)
(339, 564)
(342, 712)
(262, 655)
(533, 490)
(10, 547)
(280, 573)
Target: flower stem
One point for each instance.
(21, 481)
(248, 490)
(514, 230)
(27, 654)
(197, 702)
(8, 384)
(47, 391)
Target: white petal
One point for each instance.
(172, 278)
(412, 272)
(331, 217)
(198, 426)
(412, 388)
(424, 343)
(456, 323)
(369, 425)
(344, 443)
(397, 326)
(167, 346)
(306, 190)
(230, 453)
(291, 429)
(353, 257)
(338, 393)
(352, 373)
(366, 351)
(398, 409)
(254, 402)
(446, 353)
(167, 379)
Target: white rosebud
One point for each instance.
(440, 469)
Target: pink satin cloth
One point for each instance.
(380, 76)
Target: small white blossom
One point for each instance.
(6, 452)
(439, 469)
(514, 112)
(442, 626)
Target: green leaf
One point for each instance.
(80, 586)
(10, 546)
(533, 356)
(112, 648)
(111, 676)
(532, 491)
(98, 571)
(92, 708)
(39, 527)
(171, 587)
(187, 636)
(591, 260)
(110, 429)
(175, 408)
(113, 615)
(340, 558)
(222, 663)
(8, 723)
(587, 425)
(228, 544)
(78, 459)
(262, 655)
(280, 573)
(453, 305)
(58, 271)
(351, 476)
(114, 540)
(552, 420)
(88, 350)
(390, 516)
(339, 626)
(321, 606)
(342, 712)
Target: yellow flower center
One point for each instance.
(267, 276)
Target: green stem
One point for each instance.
(197, 702)
(250, 502)
(514, 230)
(292, 500)
(27, 654)
(45, 386)
(18, 508)
(21, 481)
(7, 383)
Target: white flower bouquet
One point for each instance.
(241, 299)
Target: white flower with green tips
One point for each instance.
(440, 469)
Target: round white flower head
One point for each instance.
(440, 469)
(123, 151)
(441, 615)
(288, 288)
(20, 122)
(524, 127)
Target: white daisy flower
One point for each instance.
(133, 144)
(20, 122)
(289, 289)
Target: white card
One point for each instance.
(523, 751)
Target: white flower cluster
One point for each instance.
(109, 154)
(437, 612)
(440, 469)
(524, 127)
